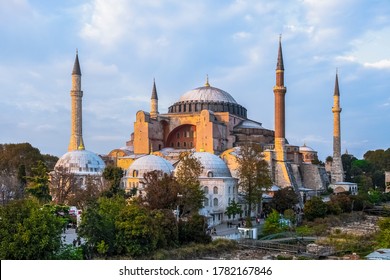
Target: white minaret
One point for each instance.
(76, 138)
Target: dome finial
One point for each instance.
(81, 146)
(207, 81)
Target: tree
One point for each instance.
(233, 209)
(38, 183)
(272, 223)
(187, 175)
(343, 201)
(253, 174)
(284, 199)
(98, 224)
(383, 237)
(193, 230)
(137, 234)
(113, 175)
(314, 208)
(29, 231)
(161, 191)
(62, 185)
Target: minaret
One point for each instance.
(337, 173)
(154, 102)
(280, 92)
(76, 138)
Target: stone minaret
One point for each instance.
(280, 92)
(337, 173)
(154, 102)
(76, 138)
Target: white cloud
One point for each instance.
(382, 64)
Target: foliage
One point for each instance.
(62, 185)
(187, 175)
(29, 231)
(284, 199)
(69, 252)
(136, 233)
(342, 201)
(290, 215)
(38, 183)
(383, 237)
(167, 228)
(113, 175)
(272, 224)
(98, 223)
(253, 174)
(314, 208)
(193, 230)
(161, 191)
(233, 209)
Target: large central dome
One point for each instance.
(207, 93)
(207, 98)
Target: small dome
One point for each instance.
(147, 164)
(81, 162)
(306, 149)
(213, 166)
(208, 93)
(249, 124)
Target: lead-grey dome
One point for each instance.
(81, 162)
(207, 98)
(147, 164)
(208, 94)
(213, 166)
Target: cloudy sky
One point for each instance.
(124, 44)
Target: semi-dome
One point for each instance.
(213, 166)
(207, 98)
(147, 164)
(81, 162)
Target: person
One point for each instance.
(214, 231)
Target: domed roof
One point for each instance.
(213, 166)
(147, 164)
(81, 162)
(207, 94)
(306, 149)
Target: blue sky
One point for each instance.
(124, 44)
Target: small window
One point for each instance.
(215, 202)
(178, 144)
(178, 135)
(205, 202)
(210, 174)
(206, 190)
(191, 145)
(135, 173)
(215, 190)
(185, 144)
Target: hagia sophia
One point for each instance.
(209, 122)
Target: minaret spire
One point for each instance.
(76, 138)
(154, 101)
(337, 172)
(280, 92)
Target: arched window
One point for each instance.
(229, 190)
(210, 174)
(178, 144)
(215, 190)
(205, 202)
(215, 202)
(229, 200)
(206, 190)
(135, 173)
(185, 144)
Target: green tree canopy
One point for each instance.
(29, 231)
(253, 174)
(284, 199)
(187, 175)
(38, 183)
(314, 208)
